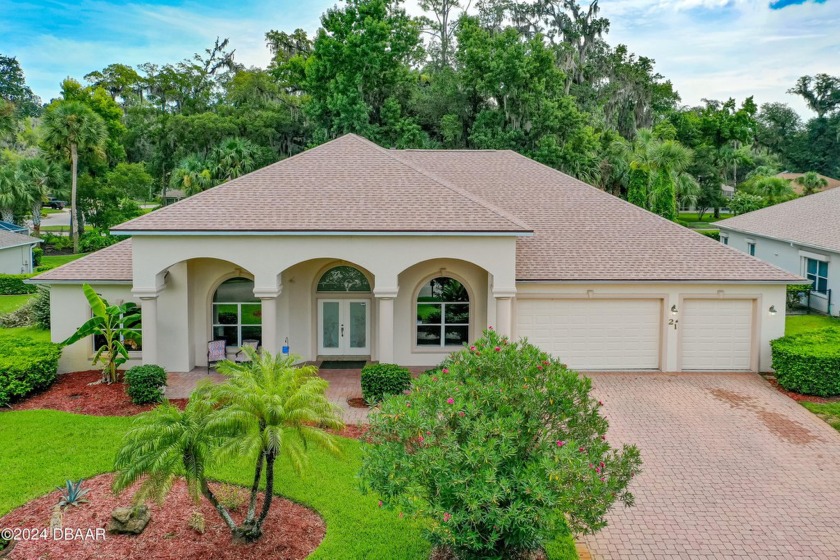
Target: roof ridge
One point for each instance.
(799, 200)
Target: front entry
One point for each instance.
(344, 327)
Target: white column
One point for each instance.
(504, 312)
(269, 324)
(149, 327)
(385, 325)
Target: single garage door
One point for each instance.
(595, 334)
(716, 334)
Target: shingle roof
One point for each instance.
(349, 184)
(111, 264)
(9, 239)
(830, 182)
(812, 220)
(583, 233)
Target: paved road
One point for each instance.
(733, 469)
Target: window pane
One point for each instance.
(252, 333)
(358, 324)
(329, 326)
(343, 279)
(456, 335)
(228, 333)
(443, 289)
(822, 285)
(225, 314)
(235, 290)
(823, 269)
(428, 313)
(252, 314)
(812, 266)
(458, 313)
(428, 336)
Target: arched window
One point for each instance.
(443, 313)
(343, 279)
(237, 313)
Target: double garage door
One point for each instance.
(627, 334)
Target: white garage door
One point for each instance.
(716, 334)
(595, 334)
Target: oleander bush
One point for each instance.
(26, 365)
(379, 380)
(498, 451)
(809, 363)
(145, 384)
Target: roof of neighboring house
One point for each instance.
(580, 233)
(175, 193)
(9, 239)
(111, 264)
(8, 226)
(727, 188)
(811, 220)
(832, 183)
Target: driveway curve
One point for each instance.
(732, 469)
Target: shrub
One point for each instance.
(713, 233)
(57, 242)
(13, 285)
(95, 240)
(20, 317)
(37, 255)
(796, 293)
(26, 365)
(809, 363)
(379, 380)
(499, 451)
(41, 308)
(145, 384)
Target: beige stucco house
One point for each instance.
(16, 252)
(350, 250)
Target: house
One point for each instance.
(170, 196)
(16, 252)
(349, 250)
(797, 188)
(801, 236)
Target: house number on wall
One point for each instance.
(674, 323)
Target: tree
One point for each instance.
(232, 158)
(820, 92)
(811, 182)
(71, 128)
(441, 27)
(120, 81)
(744, 202)
(192, 175)
(39, 178)
(777, 125)
(14, 90)
(131, 180)
(773, 189)
(114, 324)
(12, 192)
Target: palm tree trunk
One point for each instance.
(7, 215)
(255, 488)
(36, 216)
(74, 168)
(223, 513)
(269, 489)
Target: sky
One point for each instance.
(712, 49)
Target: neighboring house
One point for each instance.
(797, 188)
(16, 252)
(801, 236)
(726, 191)
(349, 250)
(172, 196)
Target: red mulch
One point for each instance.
(352, 431)
(798, 397)
(291, 531)
(73, 392)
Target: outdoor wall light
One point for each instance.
(673, 309)
(772, 310)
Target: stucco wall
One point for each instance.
(787, 256)
(16, 260)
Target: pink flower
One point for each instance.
(498, 349)
(591, 466)
(450, 400)
(603, 479)
(420, 439)
(546, 362)
(408, 403)
(602, 464)
(581, 449)
(446, 517)
(380, 503)
(461, 414)
(445, 370)
(539, 368)
(598, 470)
(490, 328)
(560, 443)
(434, 378)
(472, 348)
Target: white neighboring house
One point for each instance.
(16, 252)
(801, 236)
(352, 251)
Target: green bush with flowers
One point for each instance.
(500, 450)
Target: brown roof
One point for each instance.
(348, 184)
(9, 239)
(797, 188)
(111, 264)
(812, 220)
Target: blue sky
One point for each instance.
(708, 48)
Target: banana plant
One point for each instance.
(115, 324)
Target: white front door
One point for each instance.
(344, 327)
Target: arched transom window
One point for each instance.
(443, 313)
(343, 279)
(237, 313)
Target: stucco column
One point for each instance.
(149, 328)
(269, 322)
(385, 324)
(504, 312)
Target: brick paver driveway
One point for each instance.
(732, 469)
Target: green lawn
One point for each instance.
(63, 229)
(32, 332)
(830, 412)
(13, 303)
(58, 260)
(43, 448)
(796, 324)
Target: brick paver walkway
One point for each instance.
(732, 469)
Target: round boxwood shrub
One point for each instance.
(145, 384)
(26, 365)
(379, 380)
(809, 363)
(497, 452)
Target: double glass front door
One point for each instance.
(344, 327)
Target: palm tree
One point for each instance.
(773, 189)
(811, 182)
(234, 157)
(71, 127)
(273, 407)
(12, 192)
(191, 175)
(38, 177)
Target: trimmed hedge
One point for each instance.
(379, 380)
(809, 363)
(26, 365)
(145, 384)
(12, 285)
(713, 233)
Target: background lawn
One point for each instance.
(58, 260)
(796, 324)
(40, 335)
(830, 412)
(43, 448)
(12, 303)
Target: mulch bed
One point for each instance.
(798, 397)
(357, 402)
(291, 531)
(352, 431)
(73, 392)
